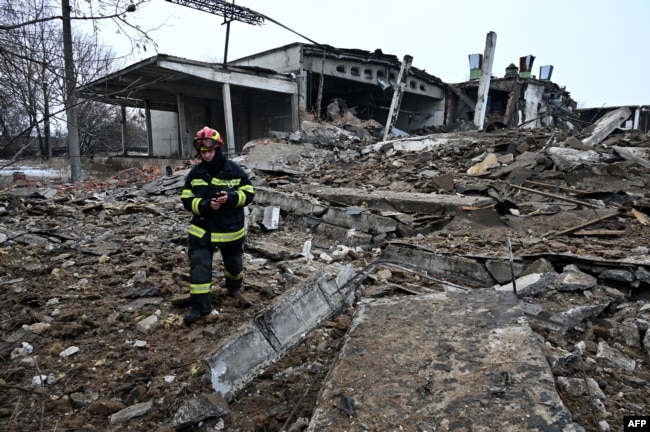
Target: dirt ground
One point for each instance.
(81, 268)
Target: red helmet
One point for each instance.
(207, 139)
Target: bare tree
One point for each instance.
(32, 43)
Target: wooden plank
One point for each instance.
(551, 186)
(559, 197)
(470, 103)
(599, 233)
(641, 217)
(584, 225)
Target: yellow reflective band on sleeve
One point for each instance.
(196, 231)
(195, 205)
(247, 188)
(200, 288)
(227, 237)
(187, 193)
(241, 199)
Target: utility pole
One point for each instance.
(71, 96)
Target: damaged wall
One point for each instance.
(365, 80)
(514, 102)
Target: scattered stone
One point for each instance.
(148, 325)
(131, 412)
(576, 387)
(105, 408)
(572, 279)
(201, 408)
(69, 351)
(614, 357)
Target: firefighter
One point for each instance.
(215, 192)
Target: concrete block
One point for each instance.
(296, 314)
(501, 270)
(460, 267)
(366, 222)
(239, 361)
(415, 202)
(289, 203)
(280, 327)
(271, 218)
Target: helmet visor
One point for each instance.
(206, 144)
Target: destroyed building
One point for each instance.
(492, 280)
(486, 280)
(267, 92)
(517, 99)
(251, 97)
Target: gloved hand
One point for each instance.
(219, 200)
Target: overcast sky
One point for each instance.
(600, 49)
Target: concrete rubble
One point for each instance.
(424, 283)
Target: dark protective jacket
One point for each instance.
(227, 223)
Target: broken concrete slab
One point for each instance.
(530, 284)
(605, 125)
(459, 269)
(300, 206)
(425, 203)
(238, 360)
(360, 218)
(638, 155)
(567, 159)
(463, 360)
(502, 271)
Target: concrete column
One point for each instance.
(147, 115)
(183, 149)
(484, 83)
(124, 133)
(395, 104)
(230, 128)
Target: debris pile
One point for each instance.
(95, 280)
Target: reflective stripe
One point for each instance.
(195, 205)
(241, 198)
(199, 182)
(236, 277)
(231, 183)
(200, 288)
(196, 231)
(227, 237)
(187, 193)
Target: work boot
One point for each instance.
(200, 306)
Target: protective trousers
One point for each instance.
(201, 257)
